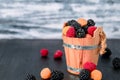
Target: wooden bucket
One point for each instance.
(81, 50)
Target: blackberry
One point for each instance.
(116, 63)
(57, 75)
(85, 28)
(84, 74)
(80, 33)
(90, 22)
(107, 53)
(74, 23)
(30, 77)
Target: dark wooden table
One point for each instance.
(18, 57)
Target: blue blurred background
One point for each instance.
(43, 19)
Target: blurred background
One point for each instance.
(43, 19)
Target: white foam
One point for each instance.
(93, 1)
(12, 36)
(20, 9)
(112, 7)
(84, 8)
(44, 7)
(51, 16)
(54, 26)
(11, 13)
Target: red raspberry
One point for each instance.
(70, 32)
(89, 66)
(44, 52)
(58, 54)
(91, 30)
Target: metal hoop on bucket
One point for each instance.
(81, 47)
(74, 69)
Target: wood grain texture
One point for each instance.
(18, 57)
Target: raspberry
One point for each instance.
(74, 24)
(116, 63)
(57, 75)
(58, 54)
(90, 66)
(70, 32)
(80, 33)
(84, 74)
(44, 52)
(91, 30)
(30, 77)
(90, 22)
(107, 53)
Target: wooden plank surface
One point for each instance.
(18, 57)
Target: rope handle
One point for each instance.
(103, 41)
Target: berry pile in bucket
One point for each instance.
(80, 28)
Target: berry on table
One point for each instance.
(96, 75)
(45, 73)
(58, 54)
(107, 53)
(84, 74)
(30, 77)
(44, 52)
(116, 63)
(57, 75)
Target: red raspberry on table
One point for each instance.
(91, 30)
(70, 32)
(44, 52)
(89, 66)
(58, 54)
